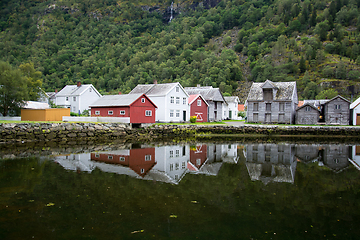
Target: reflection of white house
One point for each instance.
(355, 109)
(229, 153)
(355, 156)
(77, 97)
(270, 162)
(75, 162)
(172, 161)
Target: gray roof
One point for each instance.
(285, 90)
(36, 105)
(310, 105)
(315, 103)
(209, 93)
(74, 90)
(154, 89)
(338, 96)
(116, 100)
(231, 99)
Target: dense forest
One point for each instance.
(116, 45)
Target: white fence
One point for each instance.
(97, 119)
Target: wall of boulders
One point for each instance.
(79, 132)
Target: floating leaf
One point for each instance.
(173, 216)
(194, 202)
(31, 200)
(139, 231)
(50, 204)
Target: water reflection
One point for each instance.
(267, 162)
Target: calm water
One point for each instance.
(192, 191)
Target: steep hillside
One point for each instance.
(116, 45)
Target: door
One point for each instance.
(230, 114)
(184, 116)
(358, 119)
(267, 117)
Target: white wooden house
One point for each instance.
(170, 98)
(355, 112)
(231, 108)
(77, 97)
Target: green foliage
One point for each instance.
(327, 94)
(193, 119)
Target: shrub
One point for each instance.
(193, 119)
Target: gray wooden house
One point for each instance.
(272, 102)
(213, 97)
(307, 114)
(337, 111)
(336, 157)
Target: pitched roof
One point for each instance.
(355, 103)
(315, 103)
(285, 90)
(309, 105)
(36, 105)
(208, 93)
(118, 100)
(193, 97)
(74, 90)
(232, 99)
(155, 89)
(338, 96)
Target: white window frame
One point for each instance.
(338, 106)
(171, 113)
(172, 99)
(148, 113)
(142, 100)
(177, 153)
(110, 112)
(147, 157)
(171, 153)
(97, 112)
(122, 112)
(122, 159)
(110, 157)
(184, 101)
(74, 99)
(66, 98)
(177, 100)
(97, 155)
(177, 89)
(199, 102)
(177, 113)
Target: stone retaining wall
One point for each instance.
(79, 132)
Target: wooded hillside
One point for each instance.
(116, 45)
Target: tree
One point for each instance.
(32, 79)
(327, 94)
(13, 91)
(302, 65)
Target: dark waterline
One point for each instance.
(187, 191)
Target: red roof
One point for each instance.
(241, 107)
(192, 97)
(300, 103)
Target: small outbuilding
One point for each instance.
(307, 114)
(337, 111)
(198, 107)
(137, 108)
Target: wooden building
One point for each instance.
(138, 108)
(198, 107)
(307, 114)
(272, 102)
(337, 111)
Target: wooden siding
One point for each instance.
(337, 116)
(51, 114)
(201, 112)
(307, 117)
(277, 115)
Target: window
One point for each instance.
(281, 118)
(171, 167)
(255, 156)
(176, 166)
(256, 106)
(198, 162)
(74, 109)
(110, 157)
(142, 170)
(184, 101)
(199, 102)
(147, 157)
(255, 117)
(67, 98)
(148, 113)
(97, 155)
(177, 89)
(268, 117)
(122, 159)
(281, 107)
(255, 147)
(90, 90)
(171, 153)
(268, 94)
(74, 99)
(171, 99)
(97, 112)
(337, 106)
(171, 113)
(268, 106)
(177, 153)
(110, 112)
(183, 165)
(143, 100)
(177, 113)
(122, 112)
(307, 108)
(177, 100)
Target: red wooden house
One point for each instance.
(138, 108)
(140, 160)
(198, 107)
(198, 157)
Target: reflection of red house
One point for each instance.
(198, 157)
(198, 107)
(140, 160)
(137, 107)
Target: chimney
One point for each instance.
(120, 93)
(56, 91)
(155, 81)
(78, 84)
